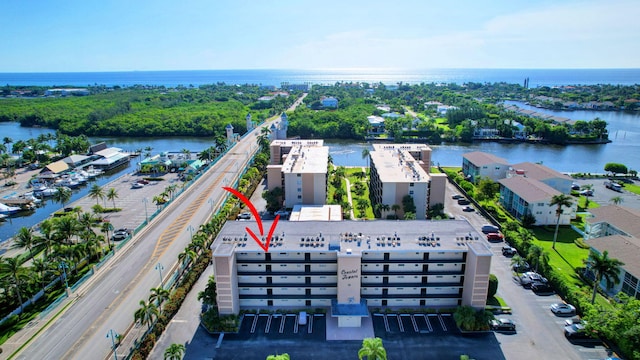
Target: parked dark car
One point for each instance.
(463, 202)
(502, 325)
(521, 268)
(489, 229)
(457, 196)
(577, 331)
(541, 288)
(529, 278)
(468, 209)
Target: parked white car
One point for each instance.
(563, 309)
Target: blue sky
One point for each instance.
(123, 35)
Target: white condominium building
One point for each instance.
(299, 167)
(398, 170)
(351, 265)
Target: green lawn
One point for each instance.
(353, 180)
(567, 256)
(632, 188)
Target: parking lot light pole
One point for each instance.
(146, 215)
(111, 334)
(63, 266)
(159, 267)
(210, 201)
(190, 228)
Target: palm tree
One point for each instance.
(284, 356)
(604, 267)
(87, 220)
(41, 266)
(24, 239)
(46, 237)
(518, 262)
(174, 352)
(395, 208)
(365, 155)
(146, 314)
(62, 195)
(159, 295)
(106, 227)
(12, 269)
(536, 254)
(66, 227)
(560, 200)
(112, 195)
(616, 200)
(372, 348)
(96, 192)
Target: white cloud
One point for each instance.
(581, 34)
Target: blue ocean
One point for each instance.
(537, 77)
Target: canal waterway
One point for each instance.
(624, 130)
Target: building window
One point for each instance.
(299, 196)
(410, 184)
(299, 189)
(298, 175)
(410, 192)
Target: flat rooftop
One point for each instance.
(292, 142)
(316, 213)
(307, 159)
(395, 165)
(358, 236)
(407, 147)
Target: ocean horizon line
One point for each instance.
(277, 77)
(346, 69)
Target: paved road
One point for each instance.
(109, 299)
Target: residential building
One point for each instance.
(299, 167)
(329, 102)
(612, 220)
(553, 178)
(398, 170)
(352, 265)
(616, 229)
(376, 124)
(521, 195)
(627, 250)
(478, 164)
(66, 92)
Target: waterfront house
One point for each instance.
(521, 195)
(376, 124)
(478, 164)
(551, 177)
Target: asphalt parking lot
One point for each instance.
(436, 338)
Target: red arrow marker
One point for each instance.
(256, 216)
